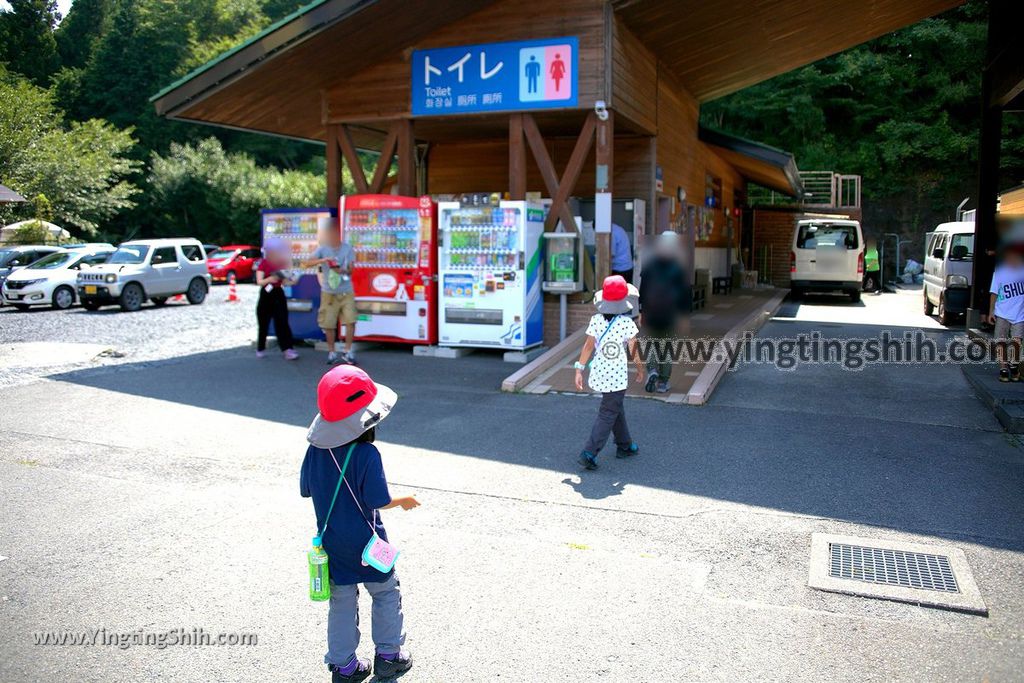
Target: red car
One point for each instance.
(239, 259)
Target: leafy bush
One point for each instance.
(204, 192)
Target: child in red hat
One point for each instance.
(351, 405)
(612, 333)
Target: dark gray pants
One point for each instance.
(659, 358)
(611, 419)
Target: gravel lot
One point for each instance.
(42, 341)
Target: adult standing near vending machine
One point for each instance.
(334, 258)
(622, 253)
(273, 273)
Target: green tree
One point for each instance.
(86, 23)
(82, 169)
(204, 192)
(27, 44)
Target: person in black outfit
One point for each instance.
(271, 277)
(662, 291)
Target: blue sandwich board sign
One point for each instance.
(531, 74)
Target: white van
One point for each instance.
(948, 266)
(827, 256)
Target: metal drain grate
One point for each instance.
(892, 567)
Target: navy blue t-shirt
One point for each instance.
(348, 531)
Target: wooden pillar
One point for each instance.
(985, 237)
(989, 142)
(406, 158)
(605, 146)
(516, 158)
(333, 167)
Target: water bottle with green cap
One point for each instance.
(319, 573)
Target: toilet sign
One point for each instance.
(533, 74)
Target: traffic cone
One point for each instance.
(178, 297)
(232, 290)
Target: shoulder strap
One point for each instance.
(597, 346)
(341, 477)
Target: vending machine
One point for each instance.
(395, 273)
(490, 275)
(300, 228)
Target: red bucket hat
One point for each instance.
(613, 296)
(349, 403)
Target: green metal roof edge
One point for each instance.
(236, 49)
(739, 138)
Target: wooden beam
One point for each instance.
(571, 175)
(1007, 76)
(605, 134)
(352, 158)
(516, 158)
(387, 153)
(540, 154)
(406, 158)
(547, 170)
(333, 167)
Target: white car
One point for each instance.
(827, 256)
(146, 269)
(51, 281)
(948, 270)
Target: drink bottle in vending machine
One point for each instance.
(395, 270)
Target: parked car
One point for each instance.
(239, 259)
(52, 279)
(827, 256)
(209, 249)
(146, 269)
(14, 257)
(948, 267)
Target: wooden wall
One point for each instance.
(482, 166)
(656, 119)
(383, 90)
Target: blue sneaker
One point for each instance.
(627, 452)
(588, 460)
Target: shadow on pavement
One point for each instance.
(904, 447)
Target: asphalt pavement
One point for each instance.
(140, 492)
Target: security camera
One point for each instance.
(601, 110)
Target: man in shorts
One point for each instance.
(334, 258)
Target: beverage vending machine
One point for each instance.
(300, 229)
(395, 273)
(490, 273)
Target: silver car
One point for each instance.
(146, 269)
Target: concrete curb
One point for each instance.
(713, 371)
(1005, 400)
(519, 379)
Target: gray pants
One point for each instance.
(343, 620)
(611, 418)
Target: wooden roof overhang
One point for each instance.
(273, 83)
(758, 163)
(717, 48)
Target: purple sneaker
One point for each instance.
(261, 354)
(353, 672)
(291, 354)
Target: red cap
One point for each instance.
(614, 288)
(343, 392)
